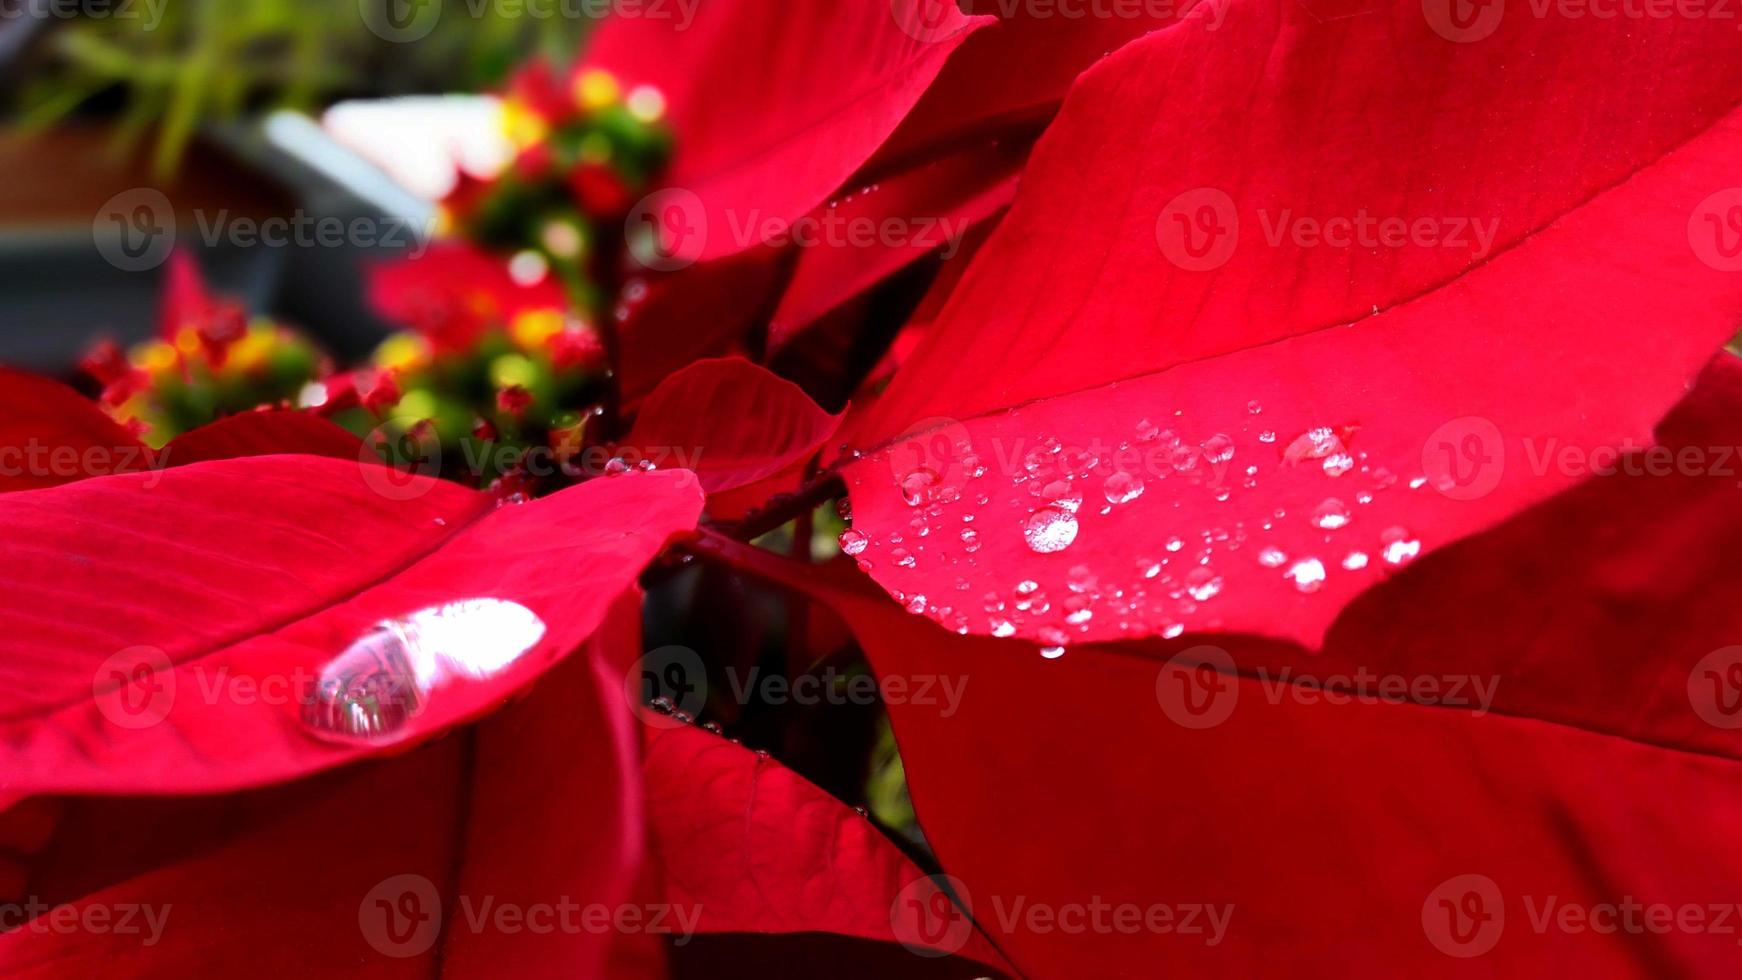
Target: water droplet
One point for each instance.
(916, 486)
(916, 604)
(1267, 437)
(1418, 483)
(1122, 487)
(854, 542)
(1308, 574)
(1184, 459)
(1254, 408)
(1052, 653)
(1175, 544)
(970, 540)
(1172, 630)
(1003, 628)
(1354, 561)
(1331, 515)
(1337, 464)
(1272, 557)
(1399, 547)
(387, 677)
(1050, 529)
(1203, 584)
(1218, 448)
(903, 557)
(1027, 586)
(1147, 431)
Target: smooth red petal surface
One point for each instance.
(751, 847)
(1017, 71)
(729, 421)
(665, 322)
(1542, 717)
(51, 434)
(879, 229)
(462, 855)
(164, 628)
(268, 433)
(557, 815)
(772, 104)
(1444, 357)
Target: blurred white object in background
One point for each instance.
(424, 142)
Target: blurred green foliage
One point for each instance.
(172, 65)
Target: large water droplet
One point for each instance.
(1218, 448)
(1308, 574)
(1331, 514)
(387, 677)
(1050, 529)
(916, 486)
(1122, 488)
(854, 542)
(1399, 546)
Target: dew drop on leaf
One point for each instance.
(1050, 529)
(375, 686)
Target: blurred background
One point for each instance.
(128, 124)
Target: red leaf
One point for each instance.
(267, 433)
(50, 434)
(1014, 74)
(167, 630)
(1501, 703)
(730, 421)
(754, 848)
(476, 853)
(1431, 353)
(883, 227)
(774, 105)
(667, 322)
